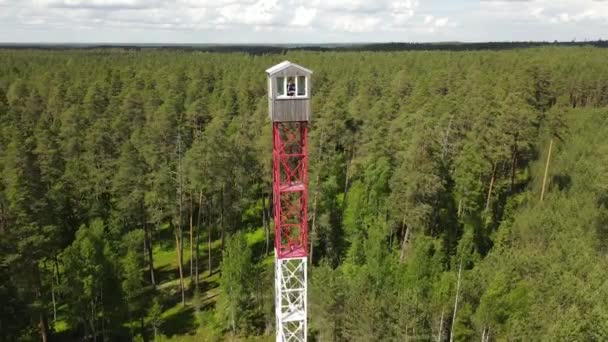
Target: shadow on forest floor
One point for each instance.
(180, 320)
(179, 323)
(177, 319)
(165, 263)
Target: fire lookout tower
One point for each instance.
(289, 110)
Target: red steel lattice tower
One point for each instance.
(289, 108)
(290, 188)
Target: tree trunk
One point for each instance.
(513, 167)
(179, 237)
(264, 223)
(144, 250)
(92, 320)
(53, 285)
(404, 243)
(313, 223)
(233, 322)
(455, 303)
(542, 192)
(485, 334)
(347, 175)
(209, 242)
(54, 302)
(198, 234)
(440, 335)
(459, 208)
(148, 246)
(181, 254)
(222, 218)
(179, 264)
(57, 270)
(491, 187)
(103, 321)
(42, 323)
(148, 236)
(191, 242)
(43, 328)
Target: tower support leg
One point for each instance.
(290, 299)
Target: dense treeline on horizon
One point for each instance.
(453, 195)
(261, 49)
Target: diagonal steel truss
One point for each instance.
(290, 188)
(290, 299)
(290, 200)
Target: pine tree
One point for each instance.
(235, 283)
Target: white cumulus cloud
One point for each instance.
(441, 22)
(110, 4)
(272, 21)
(304, 16)
(554, 11)
(263, 12)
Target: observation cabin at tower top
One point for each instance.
(289, 92)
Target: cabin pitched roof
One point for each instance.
(284, 65)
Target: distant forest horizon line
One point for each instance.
(258, 48)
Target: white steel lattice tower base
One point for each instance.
(290, 299)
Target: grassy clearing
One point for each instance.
(196, 321)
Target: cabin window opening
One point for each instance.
(280, 86)
(291, 87)
(301, 86)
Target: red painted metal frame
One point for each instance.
(290, 188)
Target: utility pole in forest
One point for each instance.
(289, 106)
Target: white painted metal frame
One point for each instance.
(290, 299)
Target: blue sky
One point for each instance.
(299, 21)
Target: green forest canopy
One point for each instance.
(453, 195)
